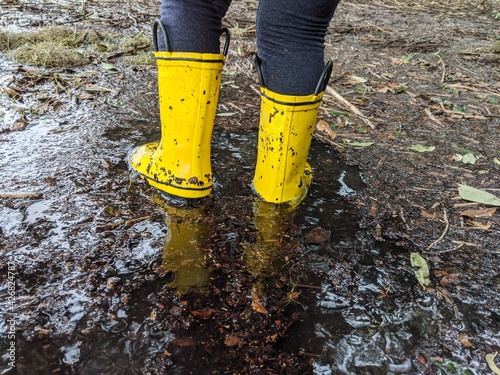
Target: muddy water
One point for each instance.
(362, 311)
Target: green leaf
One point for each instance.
(496, 161)
(109, 67)
(360, 144)
(490, 359)
(338, 113)
(464, 150)
(476, 195)
(469, 159)
(422, 148)
(421, 269)
(449, 367)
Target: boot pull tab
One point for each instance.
(257, 62)
(324, 78)
(156, 24)
(225, 31)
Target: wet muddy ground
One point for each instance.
(108, 278)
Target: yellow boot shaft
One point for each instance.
(188, 88)
(285, 132)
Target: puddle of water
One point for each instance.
(364, 312)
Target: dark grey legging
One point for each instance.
(290, 36)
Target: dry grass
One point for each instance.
(444, 6)
(48, 54)
(59, 46)
(145, 58)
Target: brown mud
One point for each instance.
(101, 286)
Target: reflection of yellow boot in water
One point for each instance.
(287, 122)
(188, 235)
(188, 86)
(268, 257)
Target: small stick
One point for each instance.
(444, 232)
(330, 91)
(20, 195)
(431, 116)
(443, 75)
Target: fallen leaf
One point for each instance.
(318, 236)
(421, 269)
(96, 88)
(476, 195)
(490, 359)
(183, 341)
(109, 67)
(19, 124)
(232, 340)
(477, 225)
(422, 148)
(325, 127)
(272, 338)
(338, 113)
(464, 339)
(359, 144)
(429, 215)
(11, 93)
(469, 159)
(203, 314)
(496, 161)
(257, 304)
(485, 212)
(87, 96)
(464, 150)
(359, 79)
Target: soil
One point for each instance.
(413, 104)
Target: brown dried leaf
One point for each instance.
(465, 340)
(11, 93)
(203, 314)
(485, 212)
(477, 225)
(429, 215)
(325, 127)
(85, 96)
(183, 341)
(257, 304)
(19, 124)
(96, 88)
(232, 340)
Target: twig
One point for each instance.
(20, 195)
(444, 232)
(445, 295)
(255, 89)
(130, 50)
(325, 139)
(460, 244)
(330, 91)
(443, 74)
(432, 117)
(236, 107)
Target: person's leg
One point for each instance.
(194, 25)
(189, 77)
(290, 41)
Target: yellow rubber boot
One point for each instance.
(188, 86)
(287, 123)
